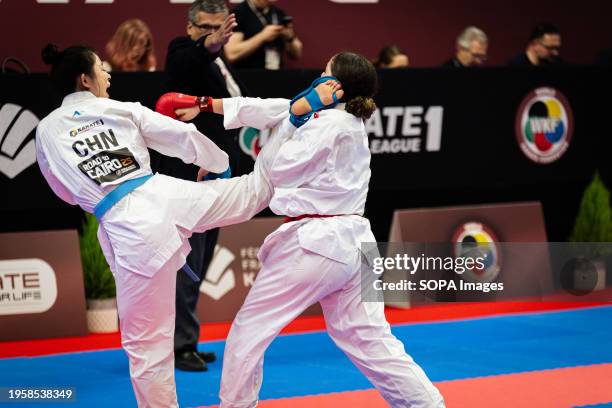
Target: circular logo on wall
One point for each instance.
(477, 241)
(544, 125)
(251, 140)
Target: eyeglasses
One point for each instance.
(206, 27)
(551, 47)
(482, 57)
(476, 55)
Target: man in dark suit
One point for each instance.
(471, 49)
(543, 48)
(196, 66)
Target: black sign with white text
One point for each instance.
(439, 137)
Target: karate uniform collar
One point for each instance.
(77, 97)
(287, 128)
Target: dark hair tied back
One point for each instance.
(359, 82)
(361, 106)
(68, 65)
(51, 54)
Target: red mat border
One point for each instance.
(554, 388)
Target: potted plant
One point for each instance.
(593, 230)
(99, 281)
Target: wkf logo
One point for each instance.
(219, 279)
(18, 151)
(544, 125)
(476, 240)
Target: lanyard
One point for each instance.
(261, 17)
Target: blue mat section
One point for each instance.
(307, 364)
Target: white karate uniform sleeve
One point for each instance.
(254, 112)
(57, 186)
(305, 155)
(177, 139)
(241, 198)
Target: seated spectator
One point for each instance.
(391, 57)
(472, 45)
(543, 48)
(264, 34)
(131, 48)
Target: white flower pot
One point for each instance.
(102, 315)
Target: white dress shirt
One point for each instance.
(230, 83)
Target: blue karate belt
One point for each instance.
(225, 175)
(313, 99)
(117, 194)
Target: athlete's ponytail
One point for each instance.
(359, 82)
(68, 65)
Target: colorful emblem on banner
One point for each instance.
(544, 125)
(476, 240)
(251, 140)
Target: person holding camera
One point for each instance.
(263, 36)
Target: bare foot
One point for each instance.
(201, 174)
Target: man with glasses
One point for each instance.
(471, 51)
(196, 65)
(543, 48)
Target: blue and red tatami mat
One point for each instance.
(501, 355)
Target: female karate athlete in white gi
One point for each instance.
(93, 152)
(320, 177)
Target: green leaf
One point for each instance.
(594, 220)
(98, 279)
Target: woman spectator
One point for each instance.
(391, 57)
(131, 48)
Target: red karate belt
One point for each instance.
(301, 217)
